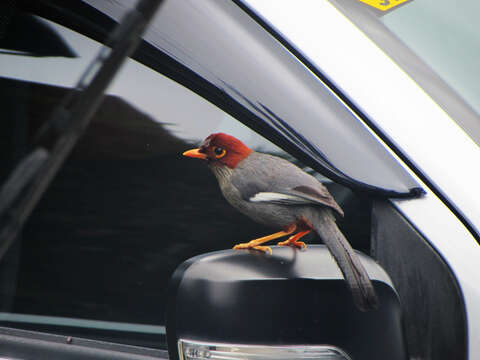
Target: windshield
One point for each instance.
(442, 54)
(445, 36)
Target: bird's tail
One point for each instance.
(354, 273)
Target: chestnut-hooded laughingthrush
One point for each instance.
(272, 191)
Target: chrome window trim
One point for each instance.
(342, 55)
(81, 323)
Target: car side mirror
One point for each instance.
(292, 304)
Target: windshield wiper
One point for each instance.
(26, 184)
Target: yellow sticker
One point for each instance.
(383, 5)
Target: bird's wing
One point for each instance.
(268, 179)
(300, 195)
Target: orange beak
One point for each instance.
(195, 153)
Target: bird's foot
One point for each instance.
(250, 245)
(255, 243)
(298, 244)
(293, 240)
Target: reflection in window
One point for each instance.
(97, 253)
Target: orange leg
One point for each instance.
(293, 240)
(256, 243)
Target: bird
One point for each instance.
(275, 192)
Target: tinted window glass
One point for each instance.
(96, 255)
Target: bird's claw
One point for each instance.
(265, 249)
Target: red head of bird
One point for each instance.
(221, 149)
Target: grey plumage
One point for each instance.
(275, 192)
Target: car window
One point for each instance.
(95, 258)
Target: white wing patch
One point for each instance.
(274, 197)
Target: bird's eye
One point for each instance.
(219, 152)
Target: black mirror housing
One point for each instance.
(293, 297)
